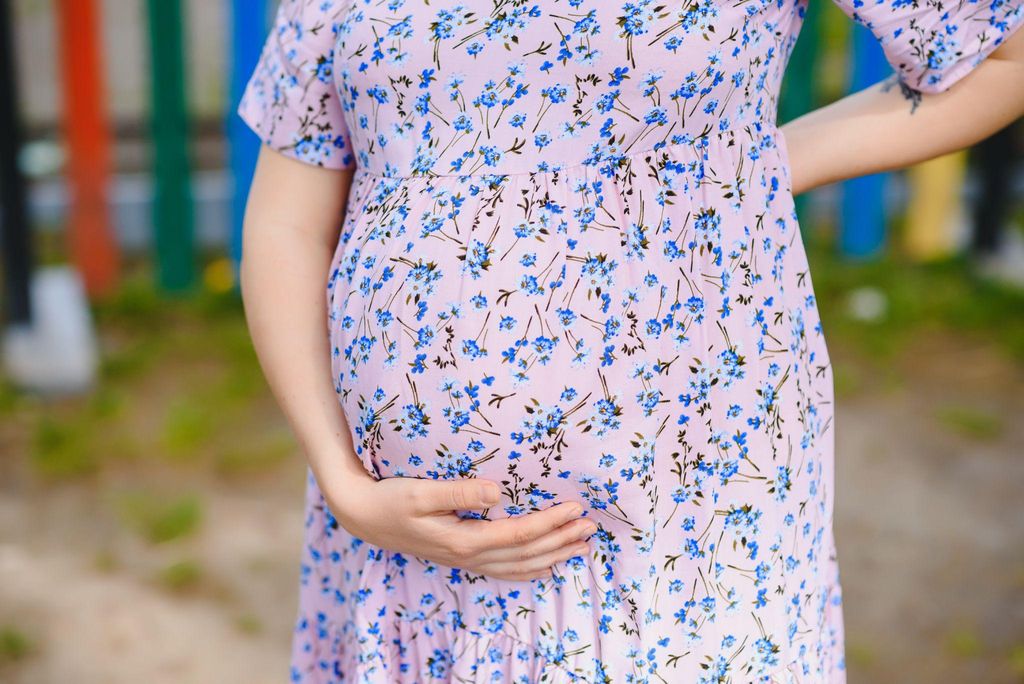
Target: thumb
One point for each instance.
(471, 494)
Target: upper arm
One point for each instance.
(294, 197)
(932, 44)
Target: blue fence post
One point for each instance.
(862, 225)
(248, 31)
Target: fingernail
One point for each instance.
(489, 494)
(575, 510)
(587, 531)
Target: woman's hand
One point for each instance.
(417, 517)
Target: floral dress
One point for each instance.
(570, 264)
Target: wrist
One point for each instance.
(340, 475)
(345, 487)
(350, 501)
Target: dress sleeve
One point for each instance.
(932, 44)
(291, 101)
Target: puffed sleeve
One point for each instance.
(291, 100)
(932, 44)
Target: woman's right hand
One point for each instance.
(417, 517)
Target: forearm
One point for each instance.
(283, 281)
(885, 127)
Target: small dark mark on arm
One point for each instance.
(911, 95)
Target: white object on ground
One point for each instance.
(57, 353)
(1006, 264)
(867, 304)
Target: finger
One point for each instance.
(535, 567)
(522, 530)
(572, 531)
(441, 496)
(546, 575)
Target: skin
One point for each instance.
(292, 227)
(889, 126)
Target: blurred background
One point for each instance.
(151, 493)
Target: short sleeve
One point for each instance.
(932, 44)
(291, 100)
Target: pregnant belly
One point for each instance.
(567, 342)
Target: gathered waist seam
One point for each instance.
(576, 167)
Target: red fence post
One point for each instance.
(93, 245)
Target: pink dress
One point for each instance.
(570, 263)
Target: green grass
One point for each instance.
(61, 449)
(921, 299)
(187, 425)
(130, 362)
(256, 455)
(859, 655)
(182, 576)
(10, 397)
(72, 439)
(15, 645)
(107, 403)
(106, 561)
(1016, 660)
(249, 624)
(964, 643)
(160, 520)
(179, 383)
(971, 422)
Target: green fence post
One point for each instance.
(172, 207)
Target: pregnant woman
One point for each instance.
(526, 279)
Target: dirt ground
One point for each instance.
(108, 574)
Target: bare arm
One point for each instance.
(292, 222)
(292, 225)
(887, 126)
